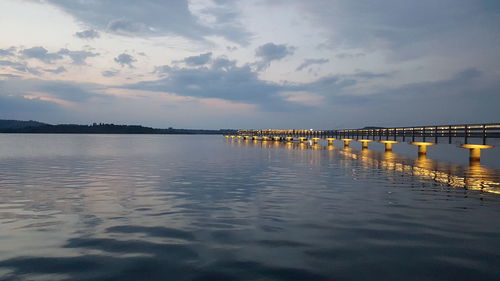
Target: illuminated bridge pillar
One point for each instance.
(330, 141)
(346, 142)
(302, 139)
(422, 146)
(315, 140)
(388, 144)
(364, 143)
(475, 150)
(289, 139)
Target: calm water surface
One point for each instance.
(132, 207)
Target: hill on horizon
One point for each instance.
(19, 124)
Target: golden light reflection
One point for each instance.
(473, 177)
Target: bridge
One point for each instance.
(421, 136)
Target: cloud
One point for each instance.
(303, 98)
(227, 21)
(154, 18)
(41, 54)
(78, 57)
(88, 34)
(23, 107)
(58, 70)
(349, 55)
(271, 52)
(58, 90)
(110, 73)
(402, 30)
(128, 28)
(72, 92)
(221, 79)
(18, 66)
(198, 60)
(125, 60)
(8, 52)
(309, 62)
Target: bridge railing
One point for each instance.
(465, 131)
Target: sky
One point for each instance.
(321, 64)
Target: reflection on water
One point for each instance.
(473, 177)
(113, 207)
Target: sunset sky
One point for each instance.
(250, 64)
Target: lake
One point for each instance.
(172, 207)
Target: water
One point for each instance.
(145, 207)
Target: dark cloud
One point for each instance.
(88, 34)
(41, 54)
(223, 63)
(309, 62)
(227, 22)
(128, 27)
(403, 30)
(153, 18)
(271, 52)
(110, 73)
(222, 79)
(198, 60)
(125, 60)
(466, 97)
(18, 66)
(24, 107)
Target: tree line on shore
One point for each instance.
(34, 127)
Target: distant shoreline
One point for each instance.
(33, 127)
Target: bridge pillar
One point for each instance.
(475, 150)
(422, 146)
(265, 138)
(277, 138)
(388, 144)
(364, 143)
(330, 141)
(315, 140)
(289, 139)
(346, 142)
(302, 139)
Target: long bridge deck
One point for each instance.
(421, 136)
